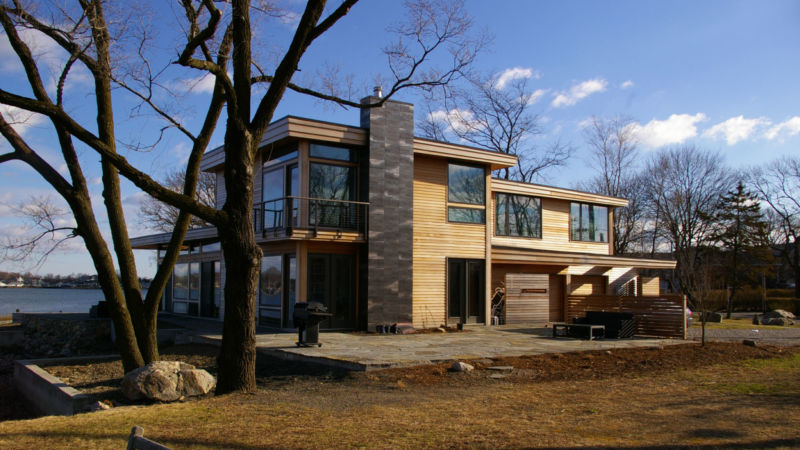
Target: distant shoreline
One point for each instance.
(49, 287)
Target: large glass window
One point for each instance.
(588, 222)
(466, 184)
(194, 281)
(332, 182)
(272, 195)
(180, 281)
(519, 215)
(271, 289)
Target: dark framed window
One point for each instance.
(518, 215)
(331, 152)
(466, 184)
(330, 187)
(588, 222)
(466, 215)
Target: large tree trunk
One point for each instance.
(237, 357)
(107, 278)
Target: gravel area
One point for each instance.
(785, 337)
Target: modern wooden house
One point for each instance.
(384, 227)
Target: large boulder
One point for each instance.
(166, 381)
(777, 314)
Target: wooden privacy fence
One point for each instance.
(662, 316)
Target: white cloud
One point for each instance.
(674, 130)
(735, 129)
(578, 92)
(533, 97)
(784, 129)
(626, 84)
(19, 119)
(42, 47)
(515, 73)
(457, 119)
(203, 84)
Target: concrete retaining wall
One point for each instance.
(47, 394)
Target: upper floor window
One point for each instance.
(466, 185)
(330, 152)
(519, 215)
(588, 222)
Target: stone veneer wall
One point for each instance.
(391, 184)
(51, 335)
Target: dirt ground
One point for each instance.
(101, 378)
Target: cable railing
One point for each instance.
(282, 215)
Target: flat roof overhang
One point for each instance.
(540, 190)
(153, 241)
(509, 255)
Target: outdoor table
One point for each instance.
(582, 330)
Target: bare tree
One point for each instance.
(778, 183)
(162, 216)
(86, 37)
(250, 93)
(686, 183)
(497, 116)
(614, 154)
(49, 227)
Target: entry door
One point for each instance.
(466, 290)
(332, 281)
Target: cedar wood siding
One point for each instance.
(555, 231)
(435, 239)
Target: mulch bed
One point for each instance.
(101, 378)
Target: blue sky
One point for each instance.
(718, 74)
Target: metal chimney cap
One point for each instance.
(377, 91)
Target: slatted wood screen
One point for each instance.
(661, 316)
(527, 298)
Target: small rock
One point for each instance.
(608, 352)
(501, 368)
(459, 366)
(440, 330)
(750, 342)
(97, 406)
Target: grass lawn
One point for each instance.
(751, 403)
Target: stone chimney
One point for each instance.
(391, 188)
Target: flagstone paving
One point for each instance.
(361, 351)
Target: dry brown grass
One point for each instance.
(750, 404)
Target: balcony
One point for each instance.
(306, 218)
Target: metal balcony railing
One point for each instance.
(288, 213)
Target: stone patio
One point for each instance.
(361, 351)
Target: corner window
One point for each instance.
(466, 185)
(519, 215)
(588, 223)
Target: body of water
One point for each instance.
(48, 300)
